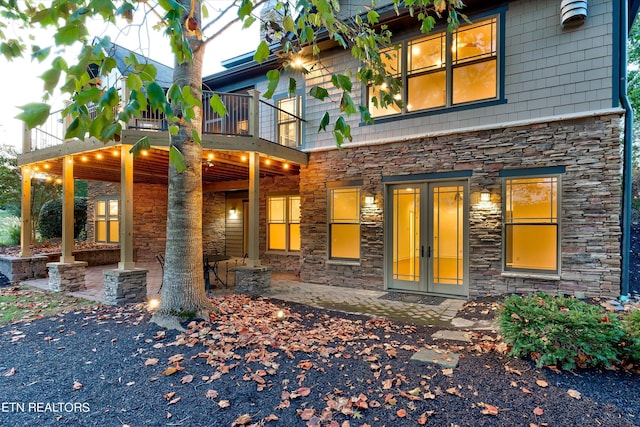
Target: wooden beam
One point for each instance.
(69, 148)
(241, 184)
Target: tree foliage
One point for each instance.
(187, 26)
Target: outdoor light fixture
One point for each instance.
(485, 196)
(233, 214)
(369, 200)
(153, 304)
(280, 316)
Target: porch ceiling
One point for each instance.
(226, 170)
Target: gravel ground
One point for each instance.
(110, 367)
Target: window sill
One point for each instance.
(343, 262)
(290, 253)
(523, 275)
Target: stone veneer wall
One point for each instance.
(213, 223)
(278, 260)
(590, 202)
(149, 216)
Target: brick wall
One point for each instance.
(590, 229)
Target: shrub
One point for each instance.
(631, 349)
(14, 235)
(561, 331)
(50, 221)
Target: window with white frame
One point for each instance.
(107, 220)
(442, 70)
(531, 227)
(344, 223)
(288, 123)
(283, 218)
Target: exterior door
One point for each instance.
(427, 245)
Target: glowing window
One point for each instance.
(283, 223)
(531, 229)
(106, 221)
(344, 223)
(440, 70)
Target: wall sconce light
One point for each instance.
(369, 200)
(233, 214)
(485, 196)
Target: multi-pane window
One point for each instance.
(106, 221)
(531, 229)
(288, 122)
(283, 217)
(344, 223)
(442, 70)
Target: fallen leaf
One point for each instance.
(387, 384)
(10, 372)
(242, 420)
(306, 414)
(77, 385)
(224, 404)
(447, 372)
(211, 394)
(170, 371)
(150, 362)
(169, 395)
(489, 409)
(302, 391)
(526, 390)
(538, 411)
(173, 401)
(271, 417)
(574, 393)
(542, 383)
(186, 379)
(401, 413)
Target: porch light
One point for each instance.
(210, 156)
(145, 152)
(369, 200)
(84, 159)
(485, 196)
(47, 165)
(116, 153)
(99, 156)
(233, 214)
(285, 166)
(243, 158)
(267, 162)
(58, 180)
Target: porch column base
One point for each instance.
(125, 286)
(16, 269)
(253, 280)
(67, 276)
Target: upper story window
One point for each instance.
(531, 227)
(288, 123)
(106, 221)
(443, 70)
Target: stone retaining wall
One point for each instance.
(590, 202)
(16, 269)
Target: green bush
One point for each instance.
(631, 349)
(561, 331)
(50, 221)
(14, 235)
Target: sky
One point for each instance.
(20, 83)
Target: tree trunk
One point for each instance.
(183, 294)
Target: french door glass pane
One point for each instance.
(406, 234)
(448, 235)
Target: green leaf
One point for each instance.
(245, 9)
(134, 82)
(372, 17)
(218, 106)
(176, 158)
(69, 34)
(319, 93)
(365, 114)
(142, 144)
(292, 85)
(274, 78)
(110, 132)
(51, 79)
(188, 97)
(174, 129)
(74, 130)
(324, 122)
(174, 94)
(87, 96)
(156, 96)
(110, 98)
(41, 54)
(34, 114)
(341, 82)
(196, 136)
(205, 11)
(262, 53)
(288, 24)
(347, 105)
(248, 21)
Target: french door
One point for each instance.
(426, 248)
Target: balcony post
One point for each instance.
(26, 139)
(25, 230)
(125, 94)
(254, 113)
(254, 210)
(126, 209)
(67, 210)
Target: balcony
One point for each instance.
(248, 126)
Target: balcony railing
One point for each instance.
(237, 121)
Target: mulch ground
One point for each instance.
(108, 366)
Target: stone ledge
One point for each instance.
(252, 280)
(16, 269)
(125, 286)
(67, 276)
